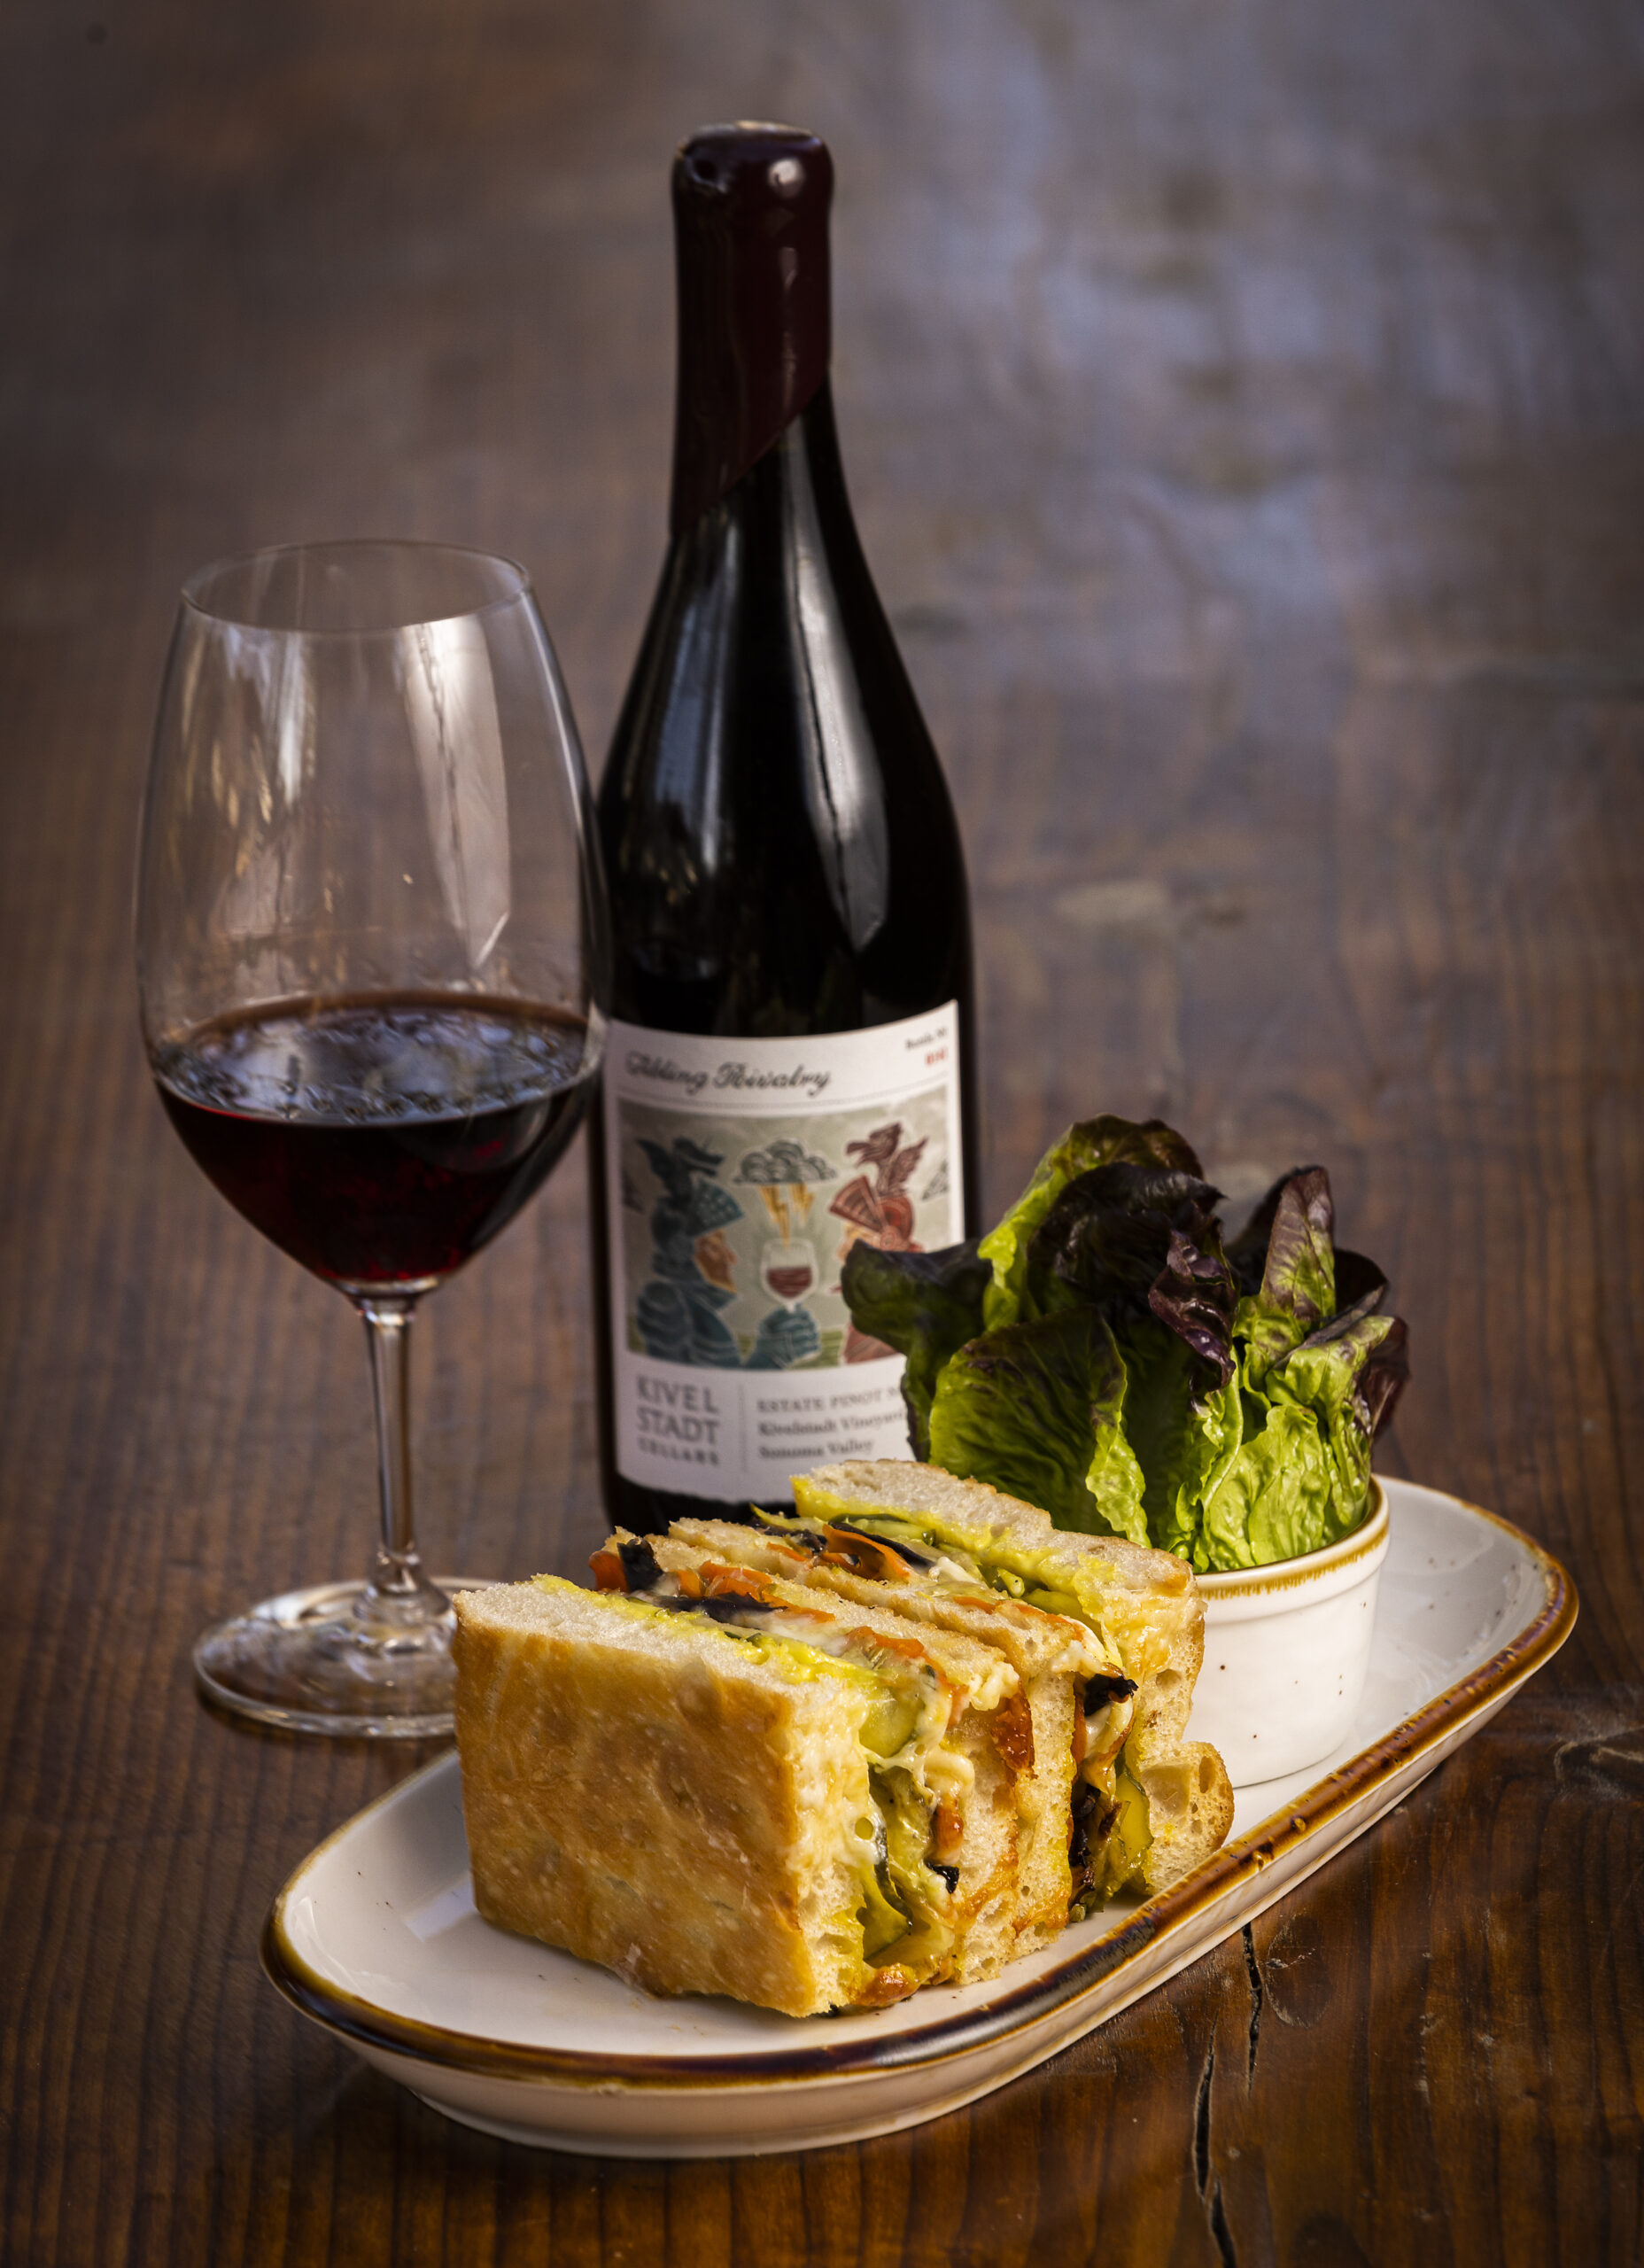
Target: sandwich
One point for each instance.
(724, 1789)
(818, 1762)
(947, 1768)
(1062, 1670)
(1151, 1803)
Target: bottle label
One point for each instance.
(739, 1174)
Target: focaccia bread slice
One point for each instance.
(944, 1761)
(686, 1805)
(1173, 1802)
(1060, 1662)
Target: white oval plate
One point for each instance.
(376, 1934)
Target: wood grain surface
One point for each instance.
(1244, 403)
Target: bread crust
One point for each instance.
(646, 1798)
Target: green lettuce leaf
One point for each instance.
(1037, 1409)
(1094, 1142)
(1184, 1439)
(1349, 1376)
(1301, 1478)
(926, 1305)
(1284, 1261)
(1275, 1500)
(1101, 1355)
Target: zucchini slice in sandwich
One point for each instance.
(702, 1800)
(1150, 1804)
(948, 1741)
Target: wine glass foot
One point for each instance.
(308, 1662)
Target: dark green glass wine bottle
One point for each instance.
(791, 1064)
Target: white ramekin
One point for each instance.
(1286, 1648)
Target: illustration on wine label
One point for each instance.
(744, 1171)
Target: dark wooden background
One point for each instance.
(1243, 401)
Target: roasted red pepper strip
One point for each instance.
(608, 1572)
(735, 1582)
(865, 1556)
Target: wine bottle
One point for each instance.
(790, 1064)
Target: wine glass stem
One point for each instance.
(399, 1593)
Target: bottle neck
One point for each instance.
(791, 500)
(750, 231)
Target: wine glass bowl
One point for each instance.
(372, 964)
(380, 1139)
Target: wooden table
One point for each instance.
(1243, 407)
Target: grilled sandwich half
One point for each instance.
(728, 1789)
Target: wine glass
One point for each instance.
(372, 957)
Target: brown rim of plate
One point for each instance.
(939, 2042)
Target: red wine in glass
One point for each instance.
(382, 1138)
(790, 1270)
